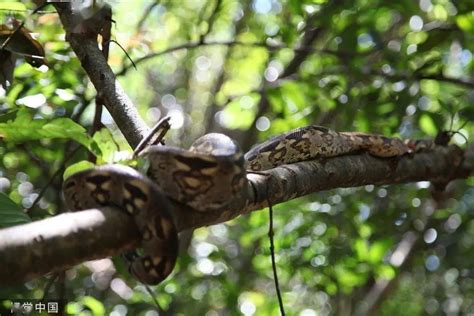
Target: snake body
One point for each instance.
(205, 177)
(313, 142)
(126, 188)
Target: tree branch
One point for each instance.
(232, 43)
(56, 243)
(418, 76)
(65, 240)
(117, 102)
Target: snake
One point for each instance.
(128, 189)
(204, 178)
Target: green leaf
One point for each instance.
(385, 271)
(87, 304)
(73, 308)
(347, 277)
(293, 96)
(79, 166)
(378, 250)
(9, 116)
(10, 213)
(465, 22)
(25, 128)
(361, 248)
(104, 146)
(12, 6)
(427, 125)
(235, 109)
(95, 306)
(66, 128)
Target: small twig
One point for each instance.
(272, 47)
(49, 284)
(62, 291)
(211, 20)
(83, 103)
(53, 177)
(117, 102)
(153, 294)
(164, 125)
(30, 55)
(438, 77)
(123, 49)
(145, 15)
(272, 252)
(5, 43)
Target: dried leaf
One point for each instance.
(20, 42)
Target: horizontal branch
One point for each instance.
(341, 54)
(287, 182)
(31, 250)
(269, 46)
(467, 83)
(56, 243)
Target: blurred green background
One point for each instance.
(252, 69)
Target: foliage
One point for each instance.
(392, 67)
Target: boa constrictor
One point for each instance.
(205, 178)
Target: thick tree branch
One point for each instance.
(291, 181)
(56, 243)
(65, 240)
(31, 250)
(84, 44)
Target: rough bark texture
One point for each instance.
(83, 41)
(31, 250)
(291, 181)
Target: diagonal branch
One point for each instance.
(84, 44)
(76, 237)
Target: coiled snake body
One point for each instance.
(205, 177)
(128, 189)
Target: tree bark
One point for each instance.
(83, 41)
(31, 250)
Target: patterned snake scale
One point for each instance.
(126, 188)
(205, 178)
(313, 142)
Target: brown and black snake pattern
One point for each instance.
(205, 177)
(313, 142)
(126, 188)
